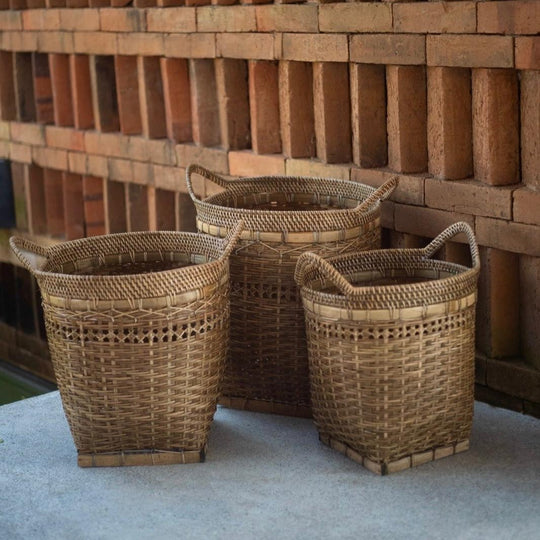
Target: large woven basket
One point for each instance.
(391, 347)
(267, 367)
(137, 325)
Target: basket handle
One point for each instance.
(22, 246)
(380, 194)
(205, 173)
(229, 242)
(450, 232)
(309, 261)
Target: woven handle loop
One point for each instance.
(380, 194)
(309, 261)
(450, 232)
(21, 245)
(229, 242)
(205, 173)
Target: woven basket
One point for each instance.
(391, 346)
(267, 367)
(137, 325)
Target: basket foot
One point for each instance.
(406, 462)
(268, 407)
(140, 457)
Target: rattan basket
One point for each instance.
(267, 367)
(137, 326)
(391, 348)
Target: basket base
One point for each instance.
(140, 457)
(268, 407)
(401, 464)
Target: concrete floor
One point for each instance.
(266, 477)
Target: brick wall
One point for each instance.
(102, 107)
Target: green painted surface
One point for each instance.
(14, 389)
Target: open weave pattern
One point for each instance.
(391, 366)
(268, 355)
(138, 358)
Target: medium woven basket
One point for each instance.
(137, 325)
(267, 367)
(391, 348)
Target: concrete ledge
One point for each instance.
(266, 477)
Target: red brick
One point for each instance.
(17, 4)
(264, 107)
(296, 109)
(407, 241)
(20, 152)
(449, 122)
(69, 139)
(407, 118)
(426, 222)
(166, 177)
(470, 197)
(144, 3)
(50, 157)
(18, 180)
(530, 128)
(243, 45)
(151, 97)
(169, 3)
(224, 19)
(8, 108)
(61, 89)
(55, 3)
(402, 49)
(31, 134)
(410, 189)
(104, 43)
(470, 51)
(107, 144)
(81, 91)
(313, 168)
(529, 274)
(127, 91)
(77, 3)
(527, 206)
(527, 52)
(35, 189)
(11, 20)
(315, 47)
(145, 44)
(42, 19)
(120, 169)
(54, 202)
(198, 45)
(358, 17)
(86, 20)
(495, 126)
(232, 91)
(368, 101)
(435, 17)
(508, 236)
(105, 104)
(24, 87)
(508, 17)
(161, 151)
(55, 42)
(276, 18)
(166, 210)
(42, 88)
(137, 211)
(186, 213)
(246, 163)
(73, 206)
(171, 20)
(143, 173)
(331, 100)
(204, 102)
(177, 100)
(78, 162)
(115, 207)
(97, 166)
(24, 41)
(122, 20)
(215, 159)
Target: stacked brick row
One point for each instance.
(102, 109)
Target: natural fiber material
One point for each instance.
(391, 365)
(138, 357)
(267, 366)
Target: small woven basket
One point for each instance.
(391, 348)
(137, 325)
(267, 367)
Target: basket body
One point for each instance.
(392, 367)
(138, 358)
(267, 367)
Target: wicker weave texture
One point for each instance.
(138, 358)
(284, 217)
(391, 348)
